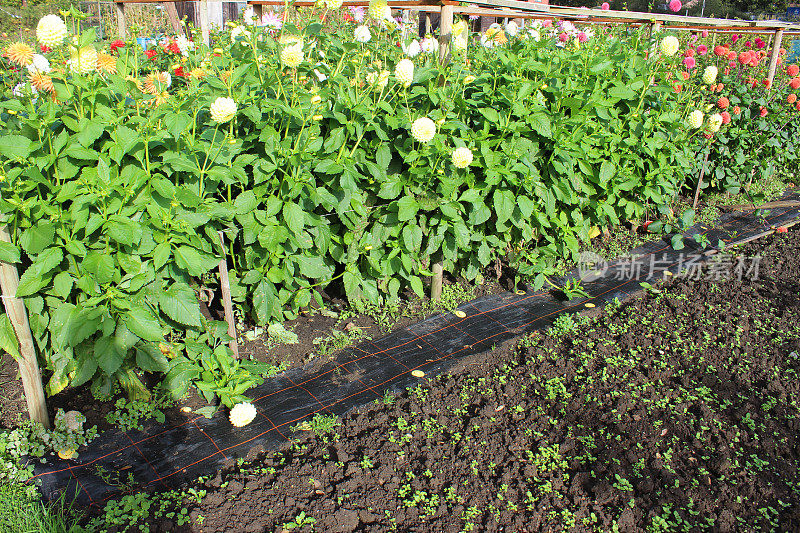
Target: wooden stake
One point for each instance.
(445, 33)
(700, 181)
(227, 303)
(773, 60)
(436, 280)
(119, 7)
(28, 365)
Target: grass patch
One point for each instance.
(21, 511)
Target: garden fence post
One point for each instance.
(225, 285)
(445, 33)
(28, 365)
(119, 7)
(773, 60)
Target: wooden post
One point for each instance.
(773, 60)
(28, 365)
(204, 30)
(427, 23)
(119, 7)
(445, 33)
(225, 285)
(436, 280)
(258, 11)
(172, 14)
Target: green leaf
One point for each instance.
(150, 358)
(141, 322)
(383, 156)
(36, 238)
(314, 267)
(503, 201)
(407, 208)
(294, 216)
(607, 170)
(193, 261)
(9, 253)
(180, 376)
(108, 356)
(412, 237)
(541, 124)
(35, 277)
(245, 203)
(124, 230)
(8, 339)
(179, 302)
(100, 265)
(15, 146)
(416, 285)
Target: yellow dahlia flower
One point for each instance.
(377, 9)
(106, 63)
(222, 110)
(20, 54)
(51, 31)
(377, 80)
(83, 60)
(156, 83)
(41, 82)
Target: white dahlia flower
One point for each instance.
(292, 55)
(242, 414)
(51, 31)
(696, 118)
(223, 110)
(423, 130)
(404, 72)
(710, 75)
(669, 45)
(40, 65)
(714, 123)
(462, 157)
(362, 34)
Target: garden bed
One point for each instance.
(675, 410)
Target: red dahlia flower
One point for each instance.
(726, 117)
(723, 103)
(763, 111)
(116, 45)
(792, 70)
(792, 98)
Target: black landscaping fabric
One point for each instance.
(167, 455)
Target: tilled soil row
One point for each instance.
(676, 410)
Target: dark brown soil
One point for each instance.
(674, 411)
